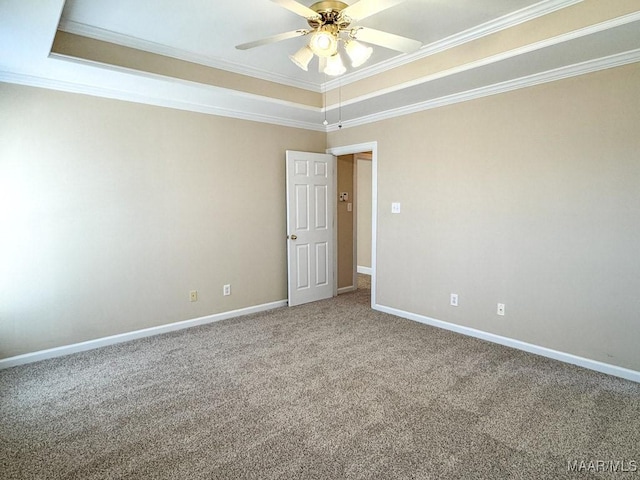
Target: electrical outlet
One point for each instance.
(193, 296)
(501, 309)
(454, 300)
(226, 290)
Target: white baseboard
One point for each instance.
(490, 337)
(517, 344)
(365, 270)
(125, 337)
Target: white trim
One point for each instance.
(354, 224)
(517, 344)
(549, 42)
(373, 148)
(535, 79)
(334, 226)
(590, 66)
(109, 36)
(348, 289)
(364, 270)
(102, 92)
(374, 224)
(181, 81)
(506, 21)
(126, 337)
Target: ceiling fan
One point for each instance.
(332, 22)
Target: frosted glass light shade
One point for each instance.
(335, 66)
(358, 53)
(323, 43)
(302, 58)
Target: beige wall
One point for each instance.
(529, 198)
(345, 222)
(111, 212)
(363, 208)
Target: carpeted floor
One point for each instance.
(329, 390)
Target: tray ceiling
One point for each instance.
(187, 57)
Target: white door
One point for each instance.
(310, 240)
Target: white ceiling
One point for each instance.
(206, 32)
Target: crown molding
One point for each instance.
(502, 23)
(104, 92)
(109, 36)
(181, 81)
(582, 68)
(561, 73)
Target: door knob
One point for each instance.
(293, 237)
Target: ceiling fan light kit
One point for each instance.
(330, 22)
(335, 66)
(358, 53)
(302, 57)
(324, 41)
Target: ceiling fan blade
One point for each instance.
(366, 8)
(272, 39)
(388, 40)
(297, 8)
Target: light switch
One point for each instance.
(349, 207)
(395, 207)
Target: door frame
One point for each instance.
(349, 150)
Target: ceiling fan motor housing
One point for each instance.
(330, 14)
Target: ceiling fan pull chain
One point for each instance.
(340, 104)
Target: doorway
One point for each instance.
(355, 217)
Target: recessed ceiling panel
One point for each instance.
(210, 30)
(598, 45)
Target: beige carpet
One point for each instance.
(324, 391)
